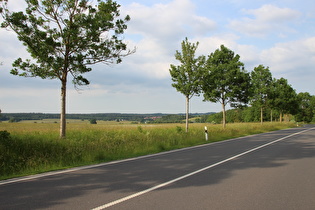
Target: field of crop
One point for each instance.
(31, 147)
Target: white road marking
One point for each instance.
(193, 173)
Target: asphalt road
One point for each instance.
(274, 170)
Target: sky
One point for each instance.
(279, 34)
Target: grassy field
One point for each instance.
(31, 147)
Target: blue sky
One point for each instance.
(279, 34)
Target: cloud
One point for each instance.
(267, 19)
(167, 21)
(291, 56)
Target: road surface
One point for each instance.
(274, 170)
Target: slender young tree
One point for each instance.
(187, 75)
(261, 79)
(63, 37)
(225, 80)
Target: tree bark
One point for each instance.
(187, 112)
(224, 115)
(63, 108)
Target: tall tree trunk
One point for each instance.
(187, 112)
(63, 108)
(261, 115)
(224, 115)
(271, 115)
(281, 117)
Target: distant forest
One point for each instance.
(156, 117)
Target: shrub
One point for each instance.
(93, 121)
(139, 128)
(179, 129)
(4, 135)
(5, 138)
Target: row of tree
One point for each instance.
(222, 78)
(304, 113)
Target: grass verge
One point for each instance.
(27, 148)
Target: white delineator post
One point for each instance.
(206, 133)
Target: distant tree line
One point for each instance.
(141, 118)
(98, 116)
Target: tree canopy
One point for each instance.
(283, 97)
(306, 107)
(225, 79)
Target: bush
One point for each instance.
(4, 135)
(179, 129)
(4, 138)
(93, 121)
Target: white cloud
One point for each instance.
(291, 56)
(267, 19)
(270, 13)
(167, 21)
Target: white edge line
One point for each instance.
(52, 173)
(193, 173)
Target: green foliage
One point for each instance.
(284, 97)
(186, 76)
(225, 80)
(247, 114)
(306, 108)
(13, 120)
(172, 118)
(4, 137)
(65, 37)
(179, 129)
(98, 116)
(140, 129)
(261, 79)
(93, 121)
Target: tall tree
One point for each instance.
(284, 98)
(261, 79)
(187, 75)
(225, 80)
(63, 37)
(306, 107)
